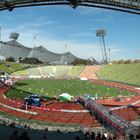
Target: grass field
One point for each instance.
(54, 87)
(127, 73)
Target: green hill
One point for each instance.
(127, 73)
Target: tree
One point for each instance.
(10, 59)
(79, 61)
(136, 61)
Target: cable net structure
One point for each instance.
(131, 6)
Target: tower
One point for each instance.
(101, 33)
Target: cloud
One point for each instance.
(98, 15)
(136, 51)
(82, 34)
(81, 50)
(119, 52)
(78, 32)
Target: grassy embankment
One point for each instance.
(126, 73)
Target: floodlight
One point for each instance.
(14, 36)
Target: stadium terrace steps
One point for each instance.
(61, 71)
(34, 71)
(46, 70)
(21, 73)
(75, 71)
(49, 71)
(90, 72)
(128, 73)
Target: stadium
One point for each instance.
(65, 100)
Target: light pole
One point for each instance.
(34, 46)
(0, 38)
(101, 33)
(109, 57)
(0, 33)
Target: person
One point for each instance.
(105, 134)
(14, 136)
(131, 137)
(93, 136)
(58, 130)
(45, 135)
(110, 138)
(104, 138)
(77, 138)
(98, 137)
(24, 136)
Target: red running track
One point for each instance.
(129, 113)
(81, 118)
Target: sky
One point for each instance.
(61, 29)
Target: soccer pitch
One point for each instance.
(54, 87)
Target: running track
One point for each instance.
(82, 118)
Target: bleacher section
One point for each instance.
(34, 71)
(127, 73)
(6, 131)
(61, 71)
(47, 70)
(75, 71)
(21, 73)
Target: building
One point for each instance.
(20, 52)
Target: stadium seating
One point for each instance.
(75, 71)
(127, 73)
(34, 71)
